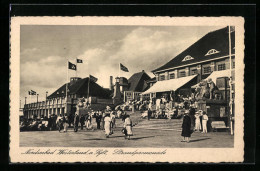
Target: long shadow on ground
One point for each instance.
(199, 139)
(138, 138)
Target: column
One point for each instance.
(213, 66)
(175, 73)
(227, 63)
(56, 106)
(187, 71)
(167, 75)
(199, 73)
(157, 76)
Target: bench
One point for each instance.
(218, 125)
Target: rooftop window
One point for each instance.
(212, 51)
(187, 58)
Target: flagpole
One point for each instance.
(119, 71)
(88, 84)
(76, 67)
(66, 98)
(230, 82)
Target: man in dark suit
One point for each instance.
(98, 119)
(82, 120)
(76, 122)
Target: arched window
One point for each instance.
(212, 51)
(187, 58)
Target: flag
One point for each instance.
(123, 68)
(32, 92)
(79, 61)
(72, 66)
(92, 78)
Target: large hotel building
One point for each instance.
(56, 102)
(206, 58)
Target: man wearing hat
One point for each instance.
(204, 122)
(186, 127)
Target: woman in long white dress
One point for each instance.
(128, 126)
(197, 121)
(107, 121)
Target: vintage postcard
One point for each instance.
(127, 89)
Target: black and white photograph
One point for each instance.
(127, 87)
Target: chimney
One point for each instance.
(111, 83)
(142, 70)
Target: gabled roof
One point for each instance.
(213, 45)
(80, 87)
(137, 82)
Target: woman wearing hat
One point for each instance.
(186, 127)
(204, 122)
(128, 126)
(107, 121)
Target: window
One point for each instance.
(172, 76)
(182, 74)
(187, 58)
(193, 72)
(233, 64)
(211, 52)
(207, 70)
(221, 67)
(162, 77)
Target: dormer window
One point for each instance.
(212, 51)
(187, 58)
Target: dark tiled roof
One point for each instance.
(218, 40)
(137, 82)
(80, 87)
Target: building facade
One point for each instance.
(208, 54)
(134, 86)
(57, 103)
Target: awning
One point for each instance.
(169, 85)
(214, 75)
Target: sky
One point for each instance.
(45, 49)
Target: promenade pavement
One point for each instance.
(152, 133)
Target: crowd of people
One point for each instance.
(105, 120)
(200, 120)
